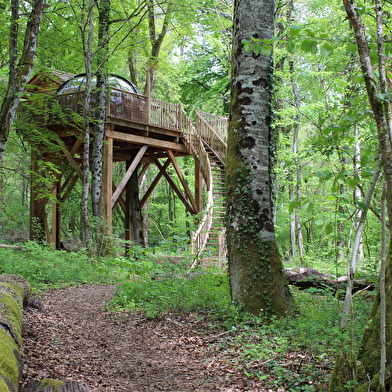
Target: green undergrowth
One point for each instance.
(45, 269)
(157, 287)
(298, 354)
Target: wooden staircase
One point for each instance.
(216, 239)
(209, 239)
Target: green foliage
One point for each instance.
(44, 268)
(283, 353)
(157, 289)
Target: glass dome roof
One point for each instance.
(78, 82)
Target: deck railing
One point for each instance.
(130, 107)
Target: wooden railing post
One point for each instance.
(179, 117)
(148, 94)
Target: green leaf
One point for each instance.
(328, 229)
(326, 49)
(247, 45)
(319, 222)
(362, 206)
(351, 48)
(293, 204)
(266, 50)
(291, 46)
(309, 46)
(351, 183)
(295, 31)
(309, 33)
(256, 48)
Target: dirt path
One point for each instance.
(72, 338)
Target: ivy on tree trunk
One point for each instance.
(258, 282)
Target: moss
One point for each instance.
(3, 385)
(9, 353)
(342, 378)
(11, 316)
(49, 382)
(17, 281)
(259, 285)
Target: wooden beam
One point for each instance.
(154, 183)
(198, 186)
(149, 141)
(119, 200)
(69, 157)
(175, 187)
(182, 179)
(71, 185)
(131, 169)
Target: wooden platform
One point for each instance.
(140, 131)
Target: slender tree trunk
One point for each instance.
(101, 106)
(156, 39)
(298, 169)
(87, 34)
(19, 73)
(258, 283)
(367, 366)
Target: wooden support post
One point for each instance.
(39, 229)
(148, 94)
(129, 236)
(182, 179)
(198, 187)
(55, 239)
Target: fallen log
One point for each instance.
(305, 278)
(50, 385)
(14, 291)
(16, 247)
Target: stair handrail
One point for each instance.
(192, 139)
(215, 141)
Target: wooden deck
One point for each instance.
(156, 129)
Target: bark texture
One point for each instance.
(258, 282)
(101, 105)
(19, 73)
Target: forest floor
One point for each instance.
(73, 337)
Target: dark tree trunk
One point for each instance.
(136, 228)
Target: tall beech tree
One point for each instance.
(20, 69)
(366, 367)
(258, 283)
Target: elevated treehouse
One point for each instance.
(140, 131)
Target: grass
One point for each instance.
(45, 269)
